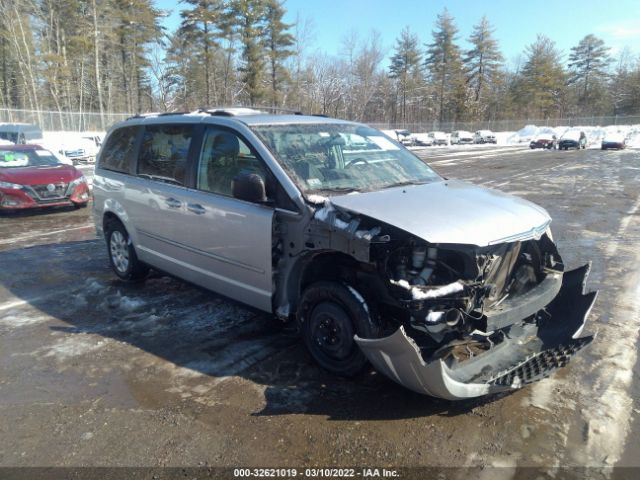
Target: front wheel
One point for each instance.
(122, 255)
(331, 314)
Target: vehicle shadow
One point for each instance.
(202, 332)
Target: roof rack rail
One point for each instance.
(229, 111)
(240, 110)
(155, 114)
(224, 112)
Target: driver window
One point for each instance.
(224, 156)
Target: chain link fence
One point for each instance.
(511, 125)
(63, 121)
(91, 121)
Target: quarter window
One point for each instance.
(225, 156)
(164, 151)
(117, 152)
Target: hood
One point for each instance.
(451, 212)
(39, 175)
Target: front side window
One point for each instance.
(117, 153)
(164, 151)
(225, 156)
(337, 158)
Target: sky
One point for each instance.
(516, 23)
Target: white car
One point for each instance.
(73, 147)
(439, 138)
(484, 136)
(423, 139)
(460, 137)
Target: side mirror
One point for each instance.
(249, 187)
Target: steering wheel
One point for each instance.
(356, 160)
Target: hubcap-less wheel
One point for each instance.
(332, 330)
(119, 251)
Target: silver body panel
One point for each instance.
(451, 212)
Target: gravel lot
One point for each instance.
(95, 372)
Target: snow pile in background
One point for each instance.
(595, 135)
(503, 138)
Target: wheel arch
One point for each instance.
(330, 266)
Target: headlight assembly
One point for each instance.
(12, 186)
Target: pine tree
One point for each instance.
(482, 62)
(202, 26)
(540, 86)
(445, 67)
(137, 25)
(405, 67)
(278, 42)
(249, 18)
(588, 63)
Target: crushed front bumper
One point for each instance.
(529, 352)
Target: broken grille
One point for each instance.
(542, 364)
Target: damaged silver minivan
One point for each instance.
(449, 289)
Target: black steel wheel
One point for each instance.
(330, 315)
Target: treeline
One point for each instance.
(115, 56)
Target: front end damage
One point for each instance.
(459, 320)
(518, 355)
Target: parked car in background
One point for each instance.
(461, 137)
(450, 289)
(484, 136)
(439, 138)
(79, 150)
(20, 133)
(572, 139)
(405, 137)
(32, 177)
(544, 140)
(614, 140)
(423, 139)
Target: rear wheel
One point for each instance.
(122, 255)
(330, 315)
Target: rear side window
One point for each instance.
(164, 151)
(117, 153)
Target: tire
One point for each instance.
(122, 256)
(330, 315)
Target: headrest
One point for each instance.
(226, 144)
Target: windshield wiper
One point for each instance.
(405, 183)
(338, 189)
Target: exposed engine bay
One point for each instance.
(460, 320)
(454, 290)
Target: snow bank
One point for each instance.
(595, 134)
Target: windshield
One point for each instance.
(27, 158)
(342, 157)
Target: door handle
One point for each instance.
(172, 202)
(196, 208)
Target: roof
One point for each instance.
(248, 116)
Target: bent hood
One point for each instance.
(451, 212)
(39, 175)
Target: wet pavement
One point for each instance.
(101, 373)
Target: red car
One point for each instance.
(543, 141)
(32, 177)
